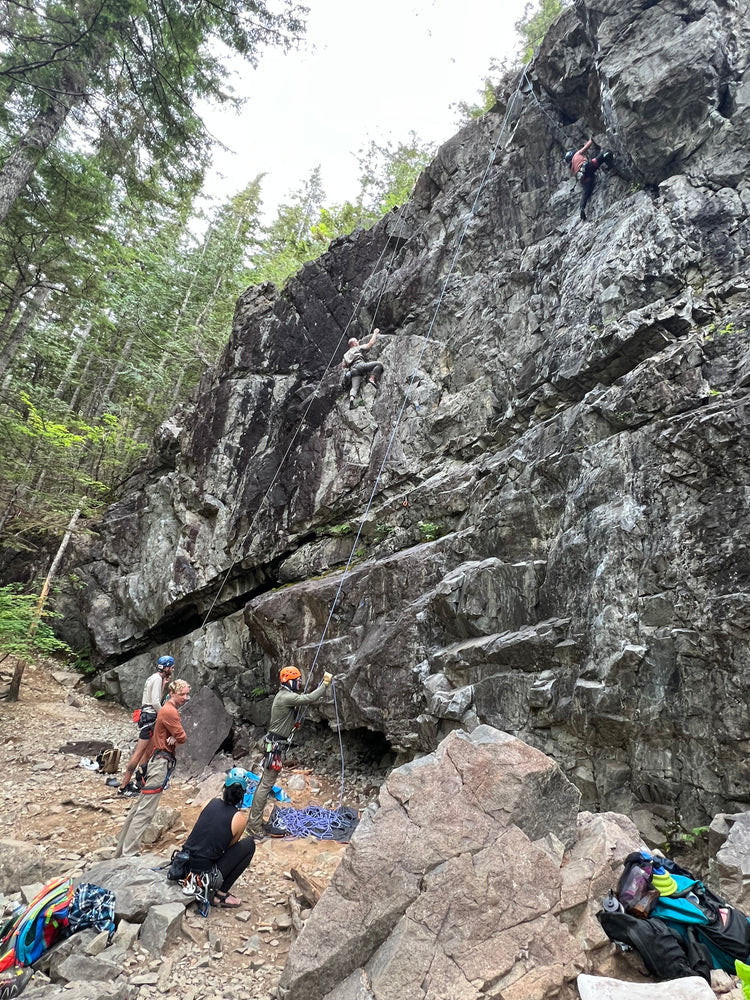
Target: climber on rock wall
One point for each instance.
(355, 364)
(584, 169)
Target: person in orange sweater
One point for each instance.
(168, 733)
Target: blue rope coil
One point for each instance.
(314, 821)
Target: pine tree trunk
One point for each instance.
(81, 382)
(15, 684)
(19, 290)
(21, 163)
(117, 371)
(17, 335)
(71, 365)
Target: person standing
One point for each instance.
(283, 711)
(153, 692)
(216, 838)
(168, 734)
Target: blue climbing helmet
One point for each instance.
(164, 662)
(237, 776)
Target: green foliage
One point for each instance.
(531, 29)
(728, 330)
(388, 173)
(17, 615)
(533, 26)
(304, 227)
(429, 530)
(468, 111)
(339, 530)
(382, 531)
(52, 463)
(123, 78)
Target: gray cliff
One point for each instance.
(546, 503)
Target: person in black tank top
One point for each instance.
(216, 838)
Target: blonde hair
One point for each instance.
(179, 685)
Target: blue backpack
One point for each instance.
(686, 933)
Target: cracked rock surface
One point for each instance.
(544, 509)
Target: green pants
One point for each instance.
(267, 780)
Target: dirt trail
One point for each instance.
(49, 798)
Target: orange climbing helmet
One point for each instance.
(289, 674)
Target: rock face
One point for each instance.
(540, 521)
(456, 886)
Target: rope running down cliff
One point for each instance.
(512, 104)
(311, 400)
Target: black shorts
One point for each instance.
(146, 732)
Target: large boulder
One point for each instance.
(475, 871)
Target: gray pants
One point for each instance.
(267, 780)
(143, 809)
(365, 369)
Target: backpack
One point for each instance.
(724, 929)
(108, 761)
(36, 927)
(700, 920)
(665, 953)
(179, 867)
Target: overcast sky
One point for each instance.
(369, 71)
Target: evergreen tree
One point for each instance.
(124, 75)
(533, 26)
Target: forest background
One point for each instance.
(117, 282)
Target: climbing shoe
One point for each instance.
(351, 402)
(13, 984)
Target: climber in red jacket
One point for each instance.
(585, 170)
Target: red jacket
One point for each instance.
(579, 158)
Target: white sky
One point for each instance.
(369, 71)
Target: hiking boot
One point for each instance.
(274, 831)
(351, 402)
(128, 791)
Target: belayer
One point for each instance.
(355, 364)
(584, 169)
(283, 710)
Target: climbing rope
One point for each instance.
(314, 821)
(511, 105)
(310, 402)
(555, 125)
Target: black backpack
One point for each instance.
(179, 867)
(665, 953)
